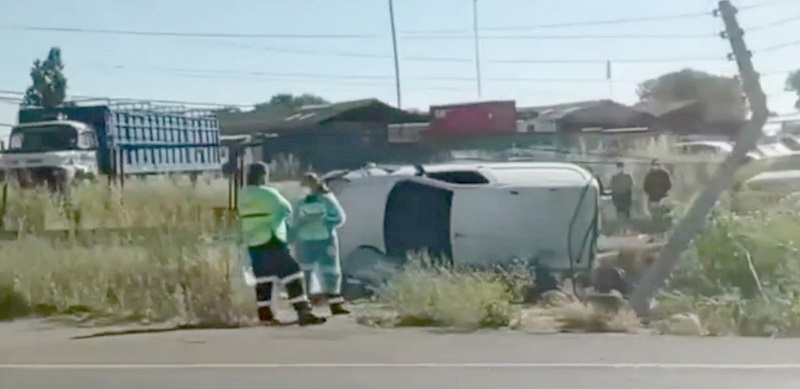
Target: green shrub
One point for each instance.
(742, 275)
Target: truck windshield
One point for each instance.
(51, 137)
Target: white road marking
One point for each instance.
(477, 365)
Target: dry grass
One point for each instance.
(440, 296)
(178, 272)
(172, 272)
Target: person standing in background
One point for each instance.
(657, 184)
(318, 215)
(622, 193)
(263, 212)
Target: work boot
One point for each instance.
(266, 317)
(338, 309)
(306, 318)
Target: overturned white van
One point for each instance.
(474, 214)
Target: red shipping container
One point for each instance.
(491, 117)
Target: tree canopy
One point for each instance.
(49, 88)
(793, 85)
(722, 97)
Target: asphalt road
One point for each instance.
(343, 355)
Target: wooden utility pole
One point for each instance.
(702, 205)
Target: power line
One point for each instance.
(776, 23)
(471, 60)
(11, 92)
(341, 77)
(565, 37)
(420, 34)
(766, 3)
(602, 61)
(222, 35)
(186, 34)
(316, 81)
(778, 46)
(157, 101)
(376, 79)
(601, 22)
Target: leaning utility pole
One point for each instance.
(396, 59)
(746, 141)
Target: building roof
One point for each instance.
(669, 109)
(592, 113)
(556, 111)
(474, 103)
(285, 118)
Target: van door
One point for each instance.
(418, 218)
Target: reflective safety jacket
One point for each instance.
(263, 212)
(317, 216)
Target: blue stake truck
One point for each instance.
(65, 143)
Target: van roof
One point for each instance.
(523, 174)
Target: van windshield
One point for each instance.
(50, 137)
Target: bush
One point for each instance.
(12, 303)
(446, 297)
(742, 276)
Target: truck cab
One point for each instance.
(49, 152)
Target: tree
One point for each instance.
(49, 87)
(287, 100)
(721, 97)
(793, 85)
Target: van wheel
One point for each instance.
(365, 271)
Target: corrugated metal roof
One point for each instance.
(559, 110)
(594, 113)
(282, 118)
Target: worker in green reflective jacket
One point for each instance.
(264, 213)
(318, 215)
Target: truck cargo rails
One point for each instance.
(111, 140)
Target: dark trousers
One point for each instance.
(272, 262)
(622, 203)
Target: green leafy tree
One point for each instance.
(49, 87)
(722, 97)
(793, 85)
(287, 100)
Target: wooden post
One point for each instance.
(3, 205)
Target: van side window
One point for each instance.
(462, 177)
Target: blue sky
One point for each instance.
(249, 70)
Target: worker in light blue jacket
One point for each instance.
(318, 214)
